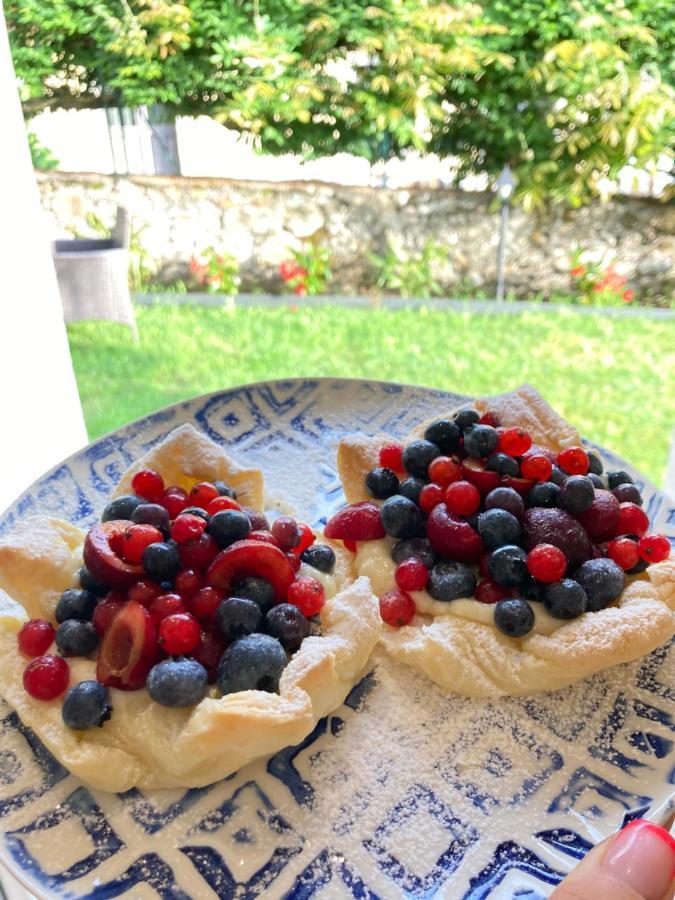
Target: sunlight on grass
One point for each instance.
(612, 377)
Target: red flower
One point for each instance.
(628, 295)
(300, 289)
(288, 269)
(578, 271)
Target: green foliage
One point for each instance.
(41, 156)
(216, 271)
(565, 91)
(308, 270)
(410, 276)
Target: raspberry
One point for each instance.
(46, 677)
(35, 637)
(536, 467)
(179, 633)
(411, 574)
(430, 495)
(148, 484)
(632, 520)
(391, 457)
(397, 608)
(166, 605)
(144, 592)
(134, 541)
(205, 602)
(624, 551)
(203, 493)
(187, 582)
(444, 470)
(654, 548)
(514, 441)
(546, 563)
(462, 498)
(198, 553)
(573, 460)
(307, 594)
(186, 526)
(221, 503)
(287, 532)
(488, 591)
(174, 501)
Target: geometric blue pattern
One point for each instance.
(515, 797)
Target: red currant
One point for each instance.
(105, 612)
(179, 633)
(489, 418)
(294, 560)
(411, 574)
(573, 460)
(307, 594)
(198, 553)
(203, 493)
(144, 591)
(135, 539)
(632, 520)
(488, 591)
(431, 495)
(174, 501)
(35, 637)
(205, 602)
(287, 532)
(391, 457)
(624, 552)
(46, 677)
(307, 538)
(397, 608)
(186, 526)
(514, 441)
(536, 467)
(221, 503)
(444, 469)
(208, 652)
(187, 582)
(654, 548)
(546, 563)
(148, 484)
(462, 498)
(166, 605)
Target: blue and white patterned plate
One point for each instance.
(401, 792)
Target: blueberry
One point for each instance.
(121, 507)
(508, 565)
(257, 589)
(627, 493)
(597, 481)
(503, 464)
(152, 514)
(86, 705)
(197, 511)
(602, 580)
(74, 604)
(445, 434)
(228, 526)
(236, 617)
(514, 616)
(382, 482)
(252, 663)
(595, 466)
(533, 590)
(450, 580)
(480, 440)
(177, 682)
(410, 488)
(161, 561)
(565, 599)
(576, 494)
(400, 517)
(498, 527)
(287, 624)
(418, 455)
(417, 547)
(614, 479)
(545, 494)
(465, 418)
(89, 583)
(505, 498)
(76, 638)
(319, 556)
(557, 476)
(225, 490)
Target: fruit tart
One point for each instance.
(505, 559)
(183, 635)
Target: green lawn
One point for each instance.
(613, 377)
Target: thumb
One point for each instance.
(638, 863)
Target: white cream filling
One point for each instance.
(373, 558)
(328, 581)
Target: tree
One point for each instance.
(566, 92)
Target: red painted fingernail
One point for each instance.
(642, 855)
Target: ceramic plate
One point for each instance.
(402, 792)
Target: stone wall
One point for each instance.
(259, 221)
